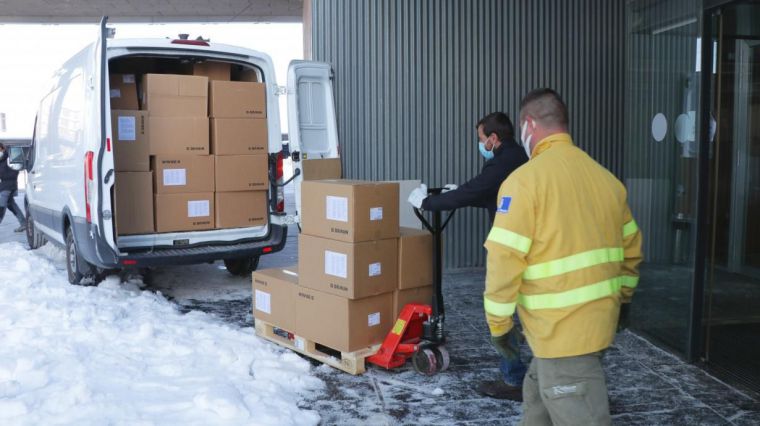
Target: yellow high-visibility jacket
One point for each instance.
(564, 251)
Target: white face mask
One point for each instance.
(526, 139)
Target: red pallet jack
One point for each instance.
(419, 333)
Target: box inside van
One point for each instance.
(162, 110)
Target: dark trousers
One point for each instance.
(7, 202)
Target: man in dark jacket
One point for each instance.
(503, 156)
(8, 190)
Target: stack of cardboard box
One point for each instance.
(239, 144)
(176, 170)
(354, 269)
(134, 181)
(183, 170)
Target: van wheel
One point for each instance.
(241, 267)
(34, 238)
(76, 267)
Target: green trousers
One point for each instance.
(566, 391)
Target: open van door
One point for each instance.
(312, 129)
(100, 174)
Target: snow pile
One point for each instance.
(114, 354)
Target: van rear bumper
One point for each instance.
(206, 253)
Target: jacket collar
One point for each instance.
(550, 141)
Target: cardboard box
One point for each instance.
(215, 71)
(415, 258)
(351, 270)
(339, 323)
(184, 212)
(326, 168)
(241, 209)
(351, 211)
(178, 135)
(242, 173)
(131, 142)
(183, 173)
(421, 295)
(171, 95)
(123, 91)
(237, 99)
(274, 297)
(407, 218)
(241, 73)
(239, 136)
(134, 203)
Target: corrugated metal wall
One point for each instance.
(412, 77)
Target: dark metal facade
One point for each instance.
(412, 77)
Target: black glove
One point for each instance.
(625, 309)
(508, 344)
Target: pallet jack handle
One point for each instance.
(436, 228)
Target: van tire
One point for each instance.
(241, 267)
(76, 267)
(34, 238)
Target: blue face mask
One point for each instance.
(484, 152)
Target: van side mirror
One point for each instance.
(16, 158)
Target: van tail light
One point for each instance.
(89, 156)
(191, 42)
(280, 206)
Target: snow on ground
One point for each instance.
(114, 354)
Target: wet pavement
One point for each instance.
(647, 386)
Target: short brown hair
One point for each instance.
(546, 107)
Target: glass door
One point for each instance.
(732, 343)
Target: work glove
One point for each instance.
(508, 344)
(449, 187)
(623, 322)
(418, 196)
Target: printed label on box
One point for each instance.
(127, 129)
(373, 319)
(199, 208)
(128, 79)
(376, 213)
(336, 208)
(175, 177)
(336, 264)
(115, 93)
(300, 344)
(375, 269)
(263, 302)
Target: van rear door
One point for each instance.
(312, 129)
(98, 184)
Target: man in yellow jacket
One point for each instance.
(564, 252)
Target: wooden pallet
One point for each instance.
(350, 362)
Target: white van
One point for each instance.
(70, 183)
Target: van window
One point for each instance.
(70, 126)
(43, 124)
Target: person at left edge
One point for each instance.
(9, 189)
(503, 155)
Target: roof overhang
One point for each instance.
(148, 11)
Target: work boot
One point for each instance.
(499, 389)
(21, 228)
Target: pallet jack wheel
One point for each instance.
(425, 362)
(442, 357)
